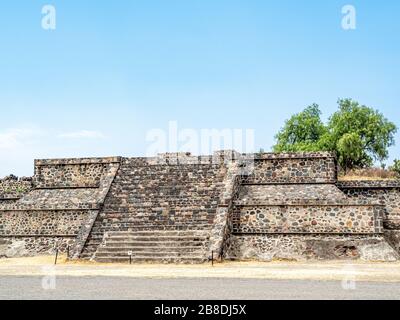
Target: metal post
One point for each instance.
(212, 258)
(55, 261)
(67, 252)
(130, 256)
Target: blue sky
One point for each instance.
(112, 71)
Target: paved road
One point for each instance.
(17, 287)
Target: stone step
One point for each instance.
(149, 207)
(161, 254)
(163, 233)
(158, 230)
(160, 244)
(151, 227)
(155, 238)
(153, 255)
(154, 245)
(155, 226)
(152, 218)
(97, 235)
(165, 227)
(140, 259)
(142, 214)
(136, 250)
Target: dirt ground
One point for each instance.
(278, 270)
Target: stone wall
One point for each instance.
(289, 207)
(309, 246)
(250, 206)
(290, 194)
(386, 193)
(28, 233)
(41, 223)
(289, 168)
(12, 246)
(71, 173)
(64, 199)
(223, 226)
(12, 187)
(308, 219)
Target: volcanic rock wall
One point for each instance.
(13, 188)
(181, 207)
(59, 207)
(290, 208)
(386, 193)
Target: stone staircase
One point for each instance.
(160, 212)
(101, 233)
(163, 246)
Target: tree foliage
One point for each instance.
(358, 134)
(396, 167)
(302, 132)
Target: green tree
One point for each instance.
(358, 134)
(302, 132)
(349, 149)
(396, 167)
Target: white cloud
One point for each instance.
(17, 137)
(83, 134)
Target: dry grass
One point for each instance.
(369, 174)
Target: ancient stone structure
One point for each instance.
(386, 193)
(182, 208)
